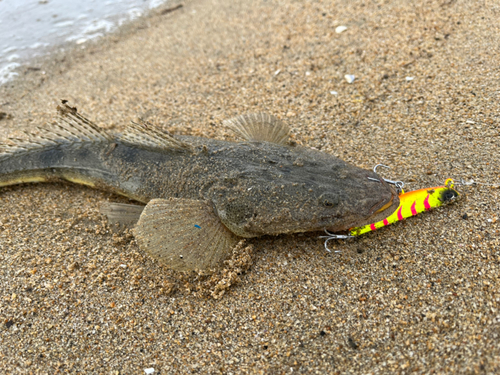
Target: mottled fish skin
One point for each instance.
(256, 188)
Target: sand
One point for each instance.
(420, 296)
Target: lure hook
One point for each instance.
(333, 236)
(399, 184)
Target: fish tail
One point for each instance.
(68, 149)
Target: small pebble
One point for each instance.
(350, 78)
(340, 29)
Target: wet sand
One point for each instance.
(417, 297)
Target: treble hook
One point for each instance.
(333, 236)
(399, 184)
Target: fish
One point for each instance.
(198, 197)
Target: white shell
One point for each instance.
(350, 78)
(340, 29)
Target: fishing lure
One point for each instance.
(411, 204)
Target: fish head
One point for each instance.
(303, 190)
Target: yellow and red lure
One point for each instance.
(411, 204)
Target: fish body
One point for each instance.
(202, 194)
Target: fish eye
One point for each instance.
(328, 199)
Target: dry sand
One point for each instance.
(418, 297)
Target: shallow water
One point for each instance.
(30, 28)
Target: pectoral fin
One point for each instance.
(259, 127)
(122, 213)
(184, 234)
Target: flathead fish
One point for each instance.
(202, 195)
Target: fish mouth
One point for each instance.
(377, 212)
(384, 204)
(384, 208)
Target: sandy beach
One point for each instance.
(421, 296)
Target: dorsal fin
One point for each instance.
(69, 128)
(145, 135)
(78, 126)
(259, 127)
